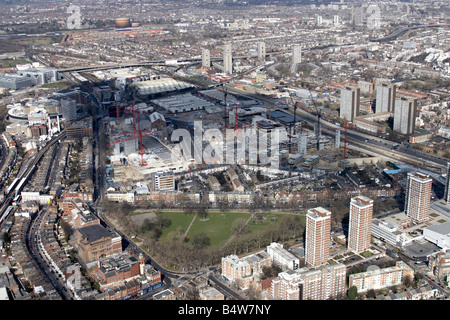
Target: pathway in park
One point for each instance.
(190, 225)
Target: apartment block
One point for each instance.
(282, 258)
(360, 224)
(234, 270)
(381, 278)
(318, 234)
(324, 283)
(385, 97)
(418, 196)
(350, 102)
(405, 112)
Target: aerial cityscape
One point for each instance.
(256, 150)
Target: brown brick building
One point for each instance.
(96, 242)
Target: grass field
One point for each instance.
(9, 63)
(218, 225)
(57, 85)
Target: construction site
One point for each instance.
(142, 142)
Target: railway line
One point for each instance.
(14, 189)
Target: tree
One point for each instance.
(201, 240)
(239, 226)
(253, 293)
(157, 233)
(371, 294)
(352, 293)
(192, 294)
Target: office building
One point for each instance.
(69, 109)
(40, 75)
(324, 283)
(14, 82)
(377, 278)
(418, 196)
(360, 224)
(350, 101)
(261, 50)
(296, 53)
(206, 58)
(385, 97)
(227, 59)
(318, 228)
(447, 185)
(405, 115)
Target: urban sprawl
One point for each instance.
(224, 150)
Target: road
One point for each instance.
(35, 248)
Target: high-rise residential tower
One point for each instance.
(261, 50)
(418, 196)
(318, 233)
(447, 185)
(385, 97)
(227, 59)
(360, 224)
(296, 53)
(350, 101)
(206, 58)
(405, 115)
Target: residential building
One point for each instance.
(350, 102)
(405, 111)
(318, 235)
(439, 263)
(418, 196)
(360, 224)
(324, 283)
(227, 59)
(447, 185)
(163, 182)
(261, 50)
(235, 270)
(296, 53)
(206, 58)
(281, 257)
(381, 278)
(385, 97)
(96, 242)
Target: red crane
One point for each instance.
(140, 134)
(345, 137)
